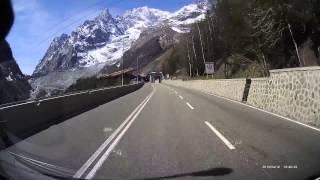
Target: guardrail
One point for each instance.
(27, 118)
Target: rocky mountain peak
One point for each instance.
(144, 16)
(146, 12)
(59, 41)
(105, 14)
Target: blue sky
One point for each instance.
(37, 22)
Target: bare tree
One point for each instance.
(189, 60)
(267, 31)
(194, 52)
(295, 45)
(201, 43)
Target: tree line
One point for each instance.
(251, 36)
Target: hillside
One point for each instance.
(248, 38)
(14, 84)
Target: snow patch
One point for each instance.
(177, 30)
(9, 78)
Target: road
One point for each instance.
(164, 132)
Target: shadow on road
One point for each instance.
(313, 177)
(221, 171)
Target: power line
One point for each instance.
(83, 9)
(59, 29)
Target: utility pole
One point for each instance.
(137, 69)
(203, 56)
(295, 45)
(195, 54)
(122, 62)
(190, 65)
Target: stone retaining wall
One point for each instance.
(294, 93)
(230, 88)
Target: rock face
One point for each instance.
(151, 44)
(308, 55)
(61, 56)
(13, 84)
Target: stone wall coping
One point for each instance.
(240, 79)
(260, 79)
(221, 80)
(311, 68)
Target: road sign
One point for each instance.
(209, 68)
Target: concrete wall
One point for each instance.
(230, 88)
(294, 93)
(25, 119)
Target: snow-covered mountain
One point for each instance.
(104, 39)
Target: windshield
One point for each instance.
(170, 89)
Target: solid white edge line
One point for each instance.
(104, 157)
(265, 111)
(169, 88)
(87, 164)
(225, 140)
(62, 96)
(189, 105)
(15, 105)
(181, 97)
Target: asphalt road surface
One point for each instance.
(165, 132)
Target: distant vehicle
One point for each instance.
(154, 76)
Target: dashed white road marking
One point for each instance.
(189, 105)
(225, 140)
(170, 89)
(181, 97)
